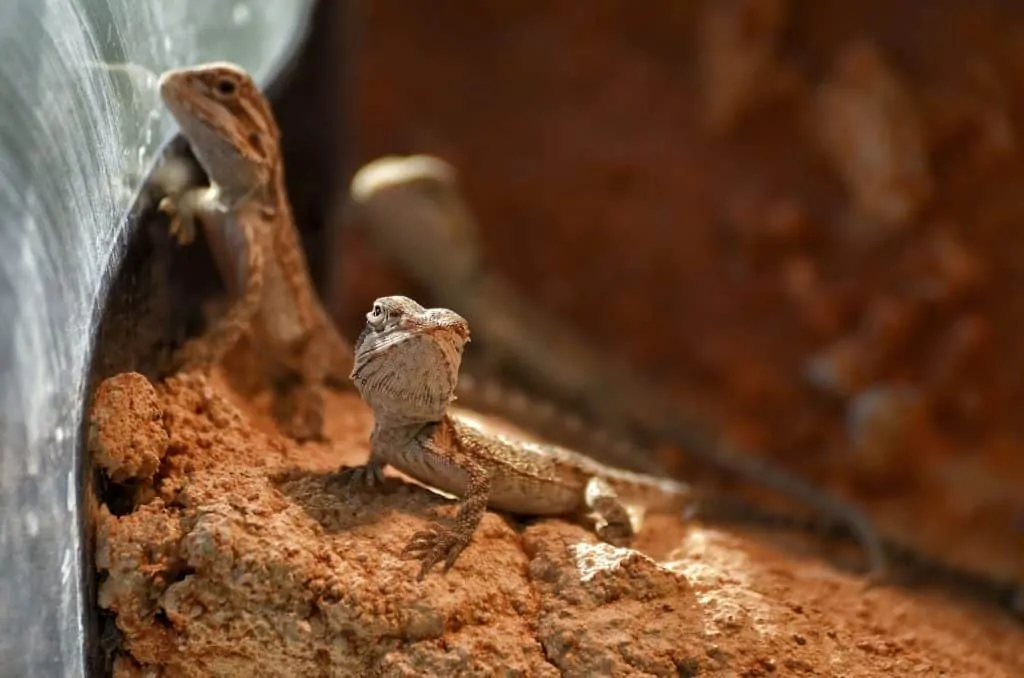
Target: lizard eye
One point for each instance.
(377, 316)
(226, 87)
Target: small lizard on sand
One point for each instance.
(248, 222)
(407, 363)
(414, 211)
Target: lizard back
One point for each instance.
(539, 478)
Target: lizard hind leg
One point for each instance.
(613, 521)
(446, 543)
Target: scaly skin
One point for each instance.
(414, 212)
(406, 367)
(248, 223)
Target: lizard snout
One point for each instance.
(445, 320)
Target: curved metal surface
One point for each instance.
(75, 139)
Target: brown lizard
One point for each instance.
(414, 212)
(248, 223)
(407, 363)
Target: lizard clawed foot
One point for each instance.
(181, 227)
(612, 521)
(870, 540)
(430, 546)
(367, 475)
(877, 575)
(614, 533)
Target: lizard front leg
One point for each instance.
(370, 474)
(183, 210)
(441, 542)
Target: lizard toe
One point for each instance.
(871, 542)
(354, 477)
(616, 534)
(420, 543)
(180, 225)
(432, 546)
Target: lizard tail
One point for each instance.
(551, 421)
(751, 468)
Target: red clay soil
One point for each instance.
(239, 557)
(804, 218)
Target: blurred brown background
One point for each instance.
(803, 216)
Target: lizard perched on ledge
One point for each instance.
(407, 363)
(415, 213)
(248, 223)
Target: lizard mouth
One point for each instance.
(169, 84)
(447, 321)
(457, 334)
(461, 330)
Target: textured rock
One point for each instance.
(127, 438)
(245, 560)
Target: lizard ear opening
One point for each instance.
(255, 140)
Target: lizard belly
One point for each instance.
(531, 496)
(434, 471)
(508, 492)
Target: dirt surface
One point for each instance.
(238, 558)
(802, 217)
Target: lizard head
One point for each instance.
(414, 212)
(407, 359)
(227, 122)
